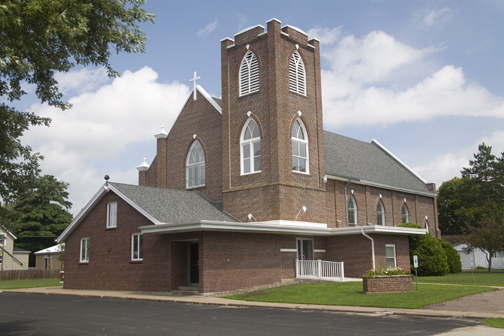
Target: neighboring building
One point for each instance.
(479, 258)
(11, 258)
(49, 258)
(243, 187)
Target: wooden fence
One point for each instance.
(30, 274)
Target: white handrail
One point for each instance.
(319, 269)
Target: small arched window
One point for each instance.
(380, 213)
(299, 147)
(405, 213)
(249, 74)
(297, 74)
(352, 211)
(195, 166)
(250, 148)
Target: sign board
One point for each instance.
(472, 261)
(415, 261)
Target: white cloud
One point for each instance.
(102, 126)
(208, 29)
(325, 35)
(437, 16)
(82, 80)
(360, 88)
(447, 166)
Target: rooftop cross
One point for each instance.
(194, 80)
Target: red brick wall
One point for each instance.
(387, 284)
(110, 265)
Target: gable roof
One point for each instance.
(7, 231)
(371, 164)
(159, 205)
(53, 249)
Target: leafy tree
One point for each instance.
(487, 234)
(41, 214)
(452, 257)
(40, 38)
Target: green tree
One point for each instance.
(41, 214)
(40, 38)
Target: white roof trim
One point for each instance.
(10, 233)
(52, 249)
(382, 186)
(296, 29)
(397, 159)
(209, 98)
(262, 227)
(90, 205)
(274, 19)
(227, 38)
(247, 29)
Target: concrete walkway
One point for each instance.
(428, 313)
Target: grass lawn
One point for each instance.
(15, 284)
(478, 277)
(494, 322)
(350, 294)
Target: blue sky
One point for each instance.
(424, 78)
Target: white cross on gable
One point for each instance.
(194, 80)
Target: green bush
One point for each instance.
(453, 257)
(432, 259)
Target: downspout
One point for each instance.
(372, 246)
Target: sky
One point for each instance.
(423, 78)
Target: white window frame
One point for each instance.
(138, 237)
(198, 167)
(297, 74)
(84, 257)
(295, 141)
(249, 74)
(388, 258)
(251, 143)
(404, 214)
(111, 215)
(354, 211)
(380, 214)
(427, 225)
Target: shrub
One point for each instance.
(432, 259)
(453, 258)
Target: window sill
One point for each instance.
(248, 94)
(196, 188)
(302, 173)
(111, 228)
(299, 94)
(84, 263)
(136, 261)
(246, 174)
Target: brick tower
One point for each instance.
(270, 87)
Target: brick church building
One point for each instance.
(241, 188)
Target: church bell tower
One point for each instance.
(272, 136)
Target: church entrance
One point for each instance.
(193, 263)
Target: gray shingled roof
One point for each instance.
(218, 101)
(350, 158)
(172, 206)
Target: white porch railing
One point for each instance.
(318, 269)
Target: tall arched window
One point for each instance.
(250, 148)
(195, 166)
(427, 226)
(405, 213)
(380, 213)
(299, 147)
(297, 74)
(249, 74)
(352, 211)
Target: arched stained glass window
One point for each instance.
(195, 166)
(250, 148)
(352, 211)
(249, 74)
(405, 213)
(380, 213)
(299, 147)
(297, 74)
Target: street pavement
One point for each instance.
(210, 300)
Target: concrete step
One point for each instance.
(188, 288)
(186, 291)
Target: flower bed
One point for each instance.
(387, 280)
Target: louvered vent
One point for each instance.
(297, 75)
(249, 74)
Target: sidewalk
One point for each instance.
(227, 302)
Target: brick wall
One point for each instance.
(387, 284)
